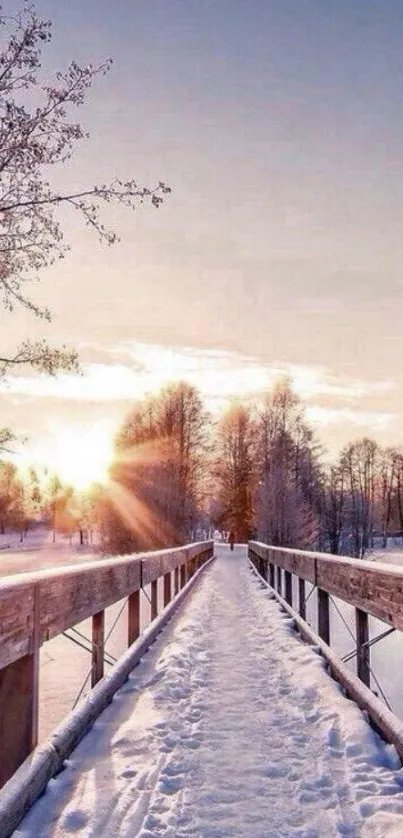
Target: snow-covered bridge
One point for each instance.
(230, 725)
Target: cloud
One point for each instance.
(325, 416)
(219, 375)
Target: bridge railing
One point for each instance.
(34, 607)
(372, 588)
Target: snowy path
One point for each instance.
(229, 727)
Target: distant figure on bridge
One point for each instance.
(231, 539)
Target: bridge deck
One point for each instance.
(229, 727)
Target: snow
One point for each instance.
(229, 726)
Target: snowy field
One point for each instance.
(228, 727)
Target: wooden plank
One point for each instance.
(68, 599)
(16, 621)
(376, 590)
(299, 562)
(18, 713)
(199, 547)
(70, 595)
(133, 617)
(98, 635)
(323, 616)
(363, 652)
(167, 589)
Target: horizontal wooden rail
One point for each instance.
(38, 606)
(382, 719)
(373, 589)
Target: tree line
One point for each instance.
(258, 471)
(28, 499)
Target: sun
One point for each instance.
(79, 455)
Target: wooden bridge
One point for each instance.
(36, 607)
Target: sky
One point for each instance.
(279, 126)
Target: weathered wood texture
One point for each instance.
(288, 586)
(381, 717)
(167, 588)
(35, 607)
(19, 708)
(69, 596)
(154, 599)
(323, 616)
(133, 627)
(363, 653)
(98, 637)
(376, 589)
(47, 760)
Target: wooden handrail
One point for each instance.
(34, 607)
(374, 589)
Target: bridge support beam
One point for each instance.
(323, 616)
(363, 653)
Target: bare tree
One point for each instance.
(359, 462)
(288, 471)
(333, 508)
(235, 472)
(37, 134)
(157, 492)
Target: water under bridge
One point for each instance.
(229, 715)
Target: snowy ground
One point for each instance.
(228, 727)
(39, 551)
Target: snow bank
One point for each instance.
(228, 727)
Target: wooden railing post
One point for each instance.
(98, 635)
(288, 586)
(133, 616)
(19, 704)
(363, 654)
(323, 615)
(271, 575)
(176, 581)
(154, 599)
(301, 598)
(279, 585)
(183, 575)
(167, 588)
